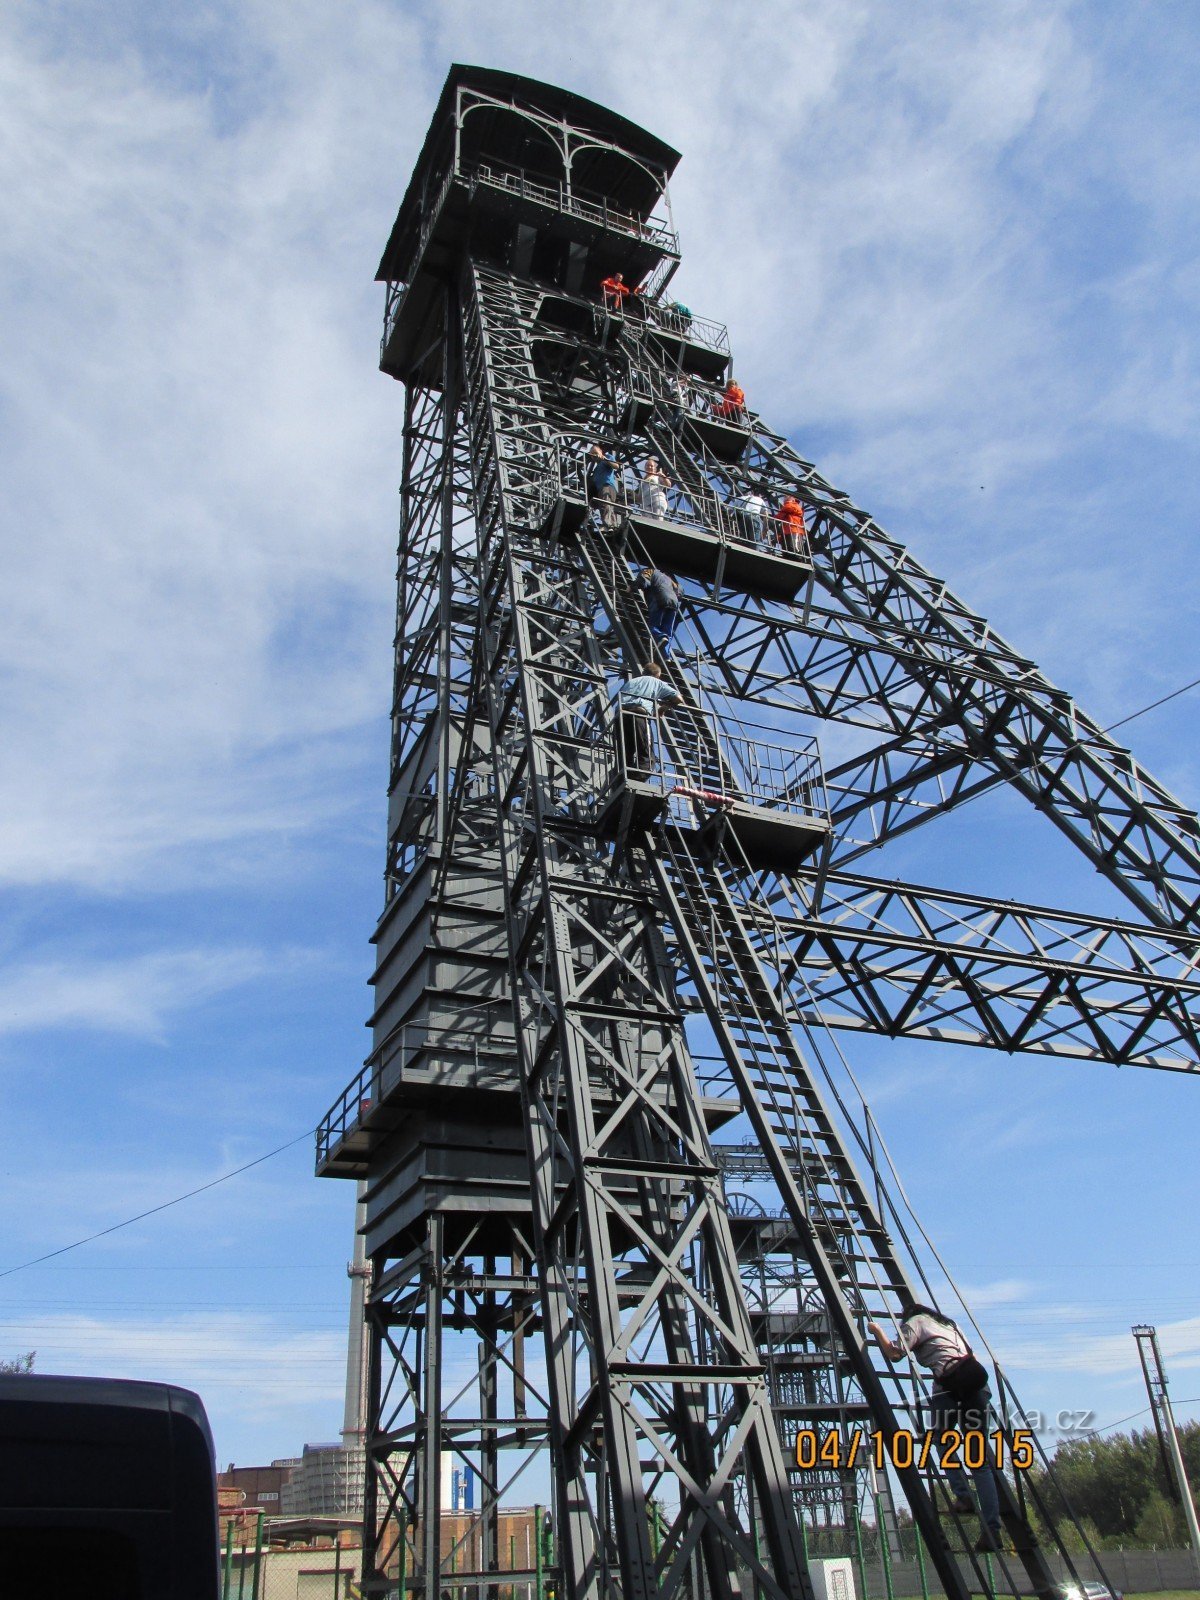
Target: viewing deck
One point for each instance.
(538, 228)
(688, 534)
(706, 775)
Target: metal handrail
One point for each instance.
(664, 317)
(693, 506)
(361, 1094)
(706, 759)
(589, 208)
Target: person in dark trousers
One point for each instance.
(663, 595)
(790, 529)
(602, 486)
(640, 699)
(959, 1400)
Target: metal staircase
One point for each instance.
(561, 937)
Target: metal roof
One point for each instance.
(622, 182)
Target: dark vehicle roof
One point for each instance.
(66, 1425)
(52, 1388)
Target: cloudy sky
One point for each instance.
(955, 246)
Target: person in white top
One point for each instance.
(958, 1402)
(654, 486)
(750, 515)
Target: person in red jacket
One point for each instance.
(731, 407)
(790, 529)
(615, 291)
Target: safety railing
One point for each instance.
(701, 763)
(347, 1111)
(637, 495)
(365, 1090)
(673, 318)
(571, 202)
(772, 775)
(680, 392)
(744, 520)
(669, 317)
(736, 521)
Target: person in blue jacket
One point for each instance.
(640, 700)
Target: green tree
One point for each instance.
(18, 1364)
(1116, 1485)
(1161, 1522)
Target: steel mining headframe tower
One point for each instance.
(608, 933)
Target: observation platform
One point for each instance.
(688, 352)
(499, 181)
(709, 776)
(769, 839)
(724, 440)
(725, 556)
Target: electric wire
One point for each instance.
(152, 1211)
(999, 778)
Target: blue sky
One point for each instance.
(956, 249)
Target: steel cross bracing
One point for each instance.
(905, 960)
(654, 1373)
(544, 666)
(902, 959)
(668, 1384)
(962, 706)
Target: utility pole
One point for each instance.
(1164, 1426)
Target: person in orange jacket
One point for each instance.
(615, 291)
(731, 407)
(789, 521)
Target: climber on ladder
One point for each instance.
(958, 1401)
(639, 700)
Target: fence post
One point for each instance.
(884, 1553)
(537, 1553)
(337, 1565)
(403, 1575)
(227, 1574)
(858, 1545)
(258, 1553)
(921, 1563)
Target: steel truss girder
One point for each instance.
(649, 1343)
(905, 960)
(901, 959)
(1005, 714)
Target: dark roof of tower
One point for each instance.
(628, 186)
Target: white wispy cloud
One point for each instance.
(258, 1376)
(1099, 1354)
(135, 995)
(200, 460)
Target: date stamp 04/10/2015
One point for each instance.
(818, 1450)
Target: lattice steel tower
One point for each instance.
(602, 943)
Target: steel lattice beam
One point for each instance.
(531, 1123)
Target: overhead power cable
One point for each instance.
(154, 1210)
(999, 778)
(1153, 706)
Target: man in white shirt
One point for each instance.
(750, 515)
